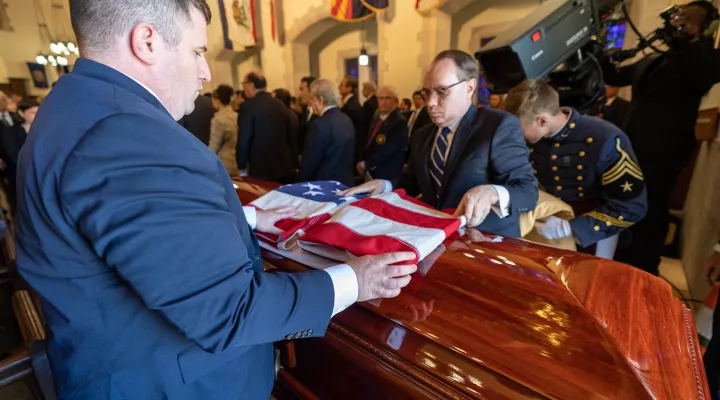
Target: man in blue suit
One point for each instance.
(131, 232)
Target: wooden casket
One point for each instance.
(503, 319)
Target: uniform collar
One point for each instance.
(570, 124)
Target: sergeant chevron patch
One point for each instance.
(624, 166)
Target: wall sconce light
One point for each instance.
(363, 60)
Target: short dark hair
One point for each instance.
(24, 105)
(224, 94)
(418, 93)
(240, 93)
(467, 67)
(308, 80)
(711, 13)
(97, 22)
(407, 102)
(352, 83)
(257, 80)
(283, 95)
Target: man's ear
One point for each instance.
(145, 43)
(472, 85)
(541, 120)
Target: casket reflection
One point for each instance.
(501, 319)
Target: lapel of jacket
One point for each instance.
(460, 139)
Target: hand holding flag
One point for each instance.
(379, 278)
(266, 219)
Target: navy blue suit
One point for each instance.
(130, 230)
(329, 148)
(488, 149)
(385, 152)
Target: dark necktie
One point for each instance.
(437, 165)
(375, 131)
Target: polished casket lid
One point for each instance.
(505, 318)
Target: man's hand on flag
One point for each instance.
(374, 187)
(266, 219)
(377, 276)
(476, 204)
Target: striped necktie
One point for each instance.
(438, 159)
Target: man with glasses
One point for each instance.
(469, 159)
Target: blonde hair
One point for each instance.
(530, 98)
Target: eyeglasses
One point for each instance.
(440, 91)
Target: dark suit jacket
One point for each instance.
(369, 107)
(266, 139)
(198, 121)
(385, 153)
(12, 139)
(422, 120)
(328, 153)
(616, 112)
(304, 127)
(353, 110)
(488, 149)
(131, 232)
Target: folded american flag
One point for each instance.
(316, 201)
(380, 224)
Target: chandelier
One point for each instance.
(60, 50)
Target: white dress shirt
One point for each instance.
(5, 116)
(503, 208)
(343, 276)
(411, 122)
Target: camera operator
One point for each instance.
(666, 92)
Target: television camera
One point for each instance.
(560, 41)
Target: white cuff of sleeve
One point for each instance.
(345, 284)
(502, 209)
(388, 187)
(243, 173)
(717, 247)
(250, 216)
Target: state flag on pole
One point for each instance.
(241, 29)
(316, 201)
(425, 6)
(349, 10)
(380, 224)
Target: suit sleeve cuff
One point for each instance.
(388, 188)
(502, 209)
(345, 285)
(250, 216)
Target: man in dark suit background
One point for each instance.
(198, 121)
(370, 105)
(330, 143)
(405, 108)
(616, 107)
(306, 116)
(266, 135)
(473, 160)
(351, 107)
(284, 96)
(420, 116)
(387, 140)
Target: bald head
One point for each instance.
(387, 99)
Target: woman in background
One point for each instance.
(224, 128)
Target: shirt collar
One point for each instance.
(325, 109)
(144, 87)
(452, 127)
(573, 118)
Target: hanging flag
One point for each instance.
(273, 27)
(238, 21)
(425, 6)
(376, 5)
(315, 202)
(279, 21)
(349, 10)
(380, 224)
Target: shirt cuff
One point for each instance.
(345, 284)
(250, 216)
(243, 172)
(388, 187)
(503, 207)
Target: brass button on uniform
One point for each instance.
(580, 167)
(582, 154)
(553, 157)
(596, 228)
(589, 140)
(554, 168)
(532, 162)
(557, 145)
(620, 218)
(557, 178)
(535, 171)
(531, 150)
(581, 195)
(558, 188)
(580, 178)
(572, 125)
(580, 188)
